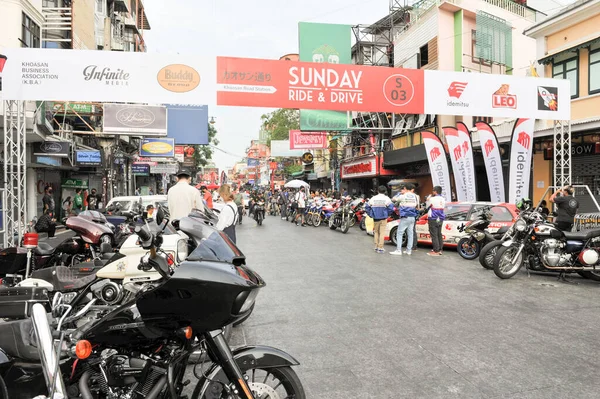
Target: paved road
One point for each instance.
(367, 325)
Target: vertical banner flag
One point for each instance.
(438, 163)
(521, 151)
(324, 43)
(456, 157)
(469, 161)
(492, 160)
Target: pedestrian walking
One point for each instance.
(207, 195)
(78, 201)
(419, 209)
(435, 219)
(229, 214)
(300, 199)
(48, 200)
(92, 200)
(183, 197)
(238, 198)
(407, 204)
(567, 206)
(379, 209)
(283, 201)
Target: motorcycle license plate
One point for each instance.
(507, 243)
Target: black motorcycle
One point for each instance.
(140, 349)
(259, 212)
(341, 217)
(541, 246)
(478, 236)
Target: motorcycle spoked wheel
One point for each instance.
(506, 264)
(332, 224)
(363, 224)
(272, 383)
(309, 219)
(316, 220)
(352, 221)
(345, 225)
(466, 250)
(488, 253)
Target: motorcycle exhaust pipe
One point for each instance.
(48, 356)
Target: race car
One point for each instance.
(458, 214)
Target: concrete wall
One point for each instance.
(566, 37)
(409, 43)
(84, 25)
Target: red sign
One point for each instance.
(273, 165)
(359, 168)
(306, 85)
(307, 140)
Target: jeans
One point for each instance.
(415, 240)
(240, 212)
(435, 230)
(406, 224)
(379, 233)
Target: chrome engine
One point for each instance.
(552, 253)
(108, 291)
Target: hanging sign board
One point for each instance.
(88, 158)
(272, 83)
(59, 149)
(307, 140)
(157, 148)
(107, 76)
(140, 170)
(141, 120)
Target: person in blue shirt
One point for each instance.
(407, 205)
(435, 218)
(379, 209)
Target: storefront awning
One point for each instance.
(298, 174)
(404, 156)
(550, 57)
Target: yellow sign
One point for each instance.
(157, 147)
(178, 78)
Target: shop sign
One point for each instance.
(307, 140)
(74, 183)
(144, 120)
(169, 169)
(253, 162)
(88, 158)
(59, 149)
(179, 153)
(140, 169)
(360, 168)
(307, 158)
(152, 148)
(311, 176)
(71, 108)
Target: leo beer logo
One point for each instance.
(435, 154)
(501, 98)
(178, 78)
(524, 139)
(489, 147)
(456, 89)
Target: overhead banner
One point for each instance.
(492, 160)
(455, 149)
(153, 148)
(107, 76)
(142, 120)
(324, 43)
(271, 83)
(506, 96)
(281, 148)
(438, 163)
(188, 124)
(468, 160)
(521, 151)
(308, 140)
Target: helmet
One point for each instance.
(524, 204)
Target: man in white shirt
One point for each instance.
(183, 197)
(301, 205)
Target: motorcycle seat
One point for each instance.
(582, 235)
(45, 248)
(17, 339)
(63, 278)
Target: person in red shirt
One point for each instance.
(207, 195)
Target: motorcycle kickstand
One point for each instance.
(563, 279)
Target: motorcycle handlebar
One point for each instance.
(143, 233)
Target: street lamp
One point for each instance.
(212, 120)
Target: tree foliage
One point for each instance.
(279, 123)
(291, 169)
(203, 154)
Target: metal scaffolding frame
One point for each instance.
(15, 161)
(562, 153)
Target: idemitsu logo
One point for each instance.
(456, 89)
(524, 139)
(457, 153)
(489, 147)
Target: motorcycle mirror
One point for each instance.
(160, 215)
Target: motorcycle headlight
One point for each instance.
(244, 301)
(182, 250)
(520, 225)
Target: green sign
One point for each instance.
(74, 183)
(324, 43)
(73, 107)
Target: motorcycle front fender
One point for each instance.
(248, 357)
(508, 243)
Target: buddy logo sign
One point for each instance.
(271, 83)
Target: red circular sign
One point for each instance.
(399, 90)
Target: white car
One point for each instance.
(458, 214)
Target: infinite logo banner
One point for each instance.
(272, 83)
(521, 151)
(438, 163)
(492, 160)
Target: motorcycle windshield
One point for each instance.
(212, 244)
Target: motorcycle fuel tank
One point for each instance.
(573, 246)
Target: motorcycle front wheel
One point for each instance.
(276, 382)
(363, 224)
(332, 225)
(352, 221)
(468, 248)
(316, 220)
(346, 225)
(506, 263)
(488, 253)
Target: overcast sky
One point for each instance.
(258, 29)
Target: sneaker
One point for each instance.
(408, 252)
(434, 254)
(396, 252)
(282, 218)
(380, 251)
